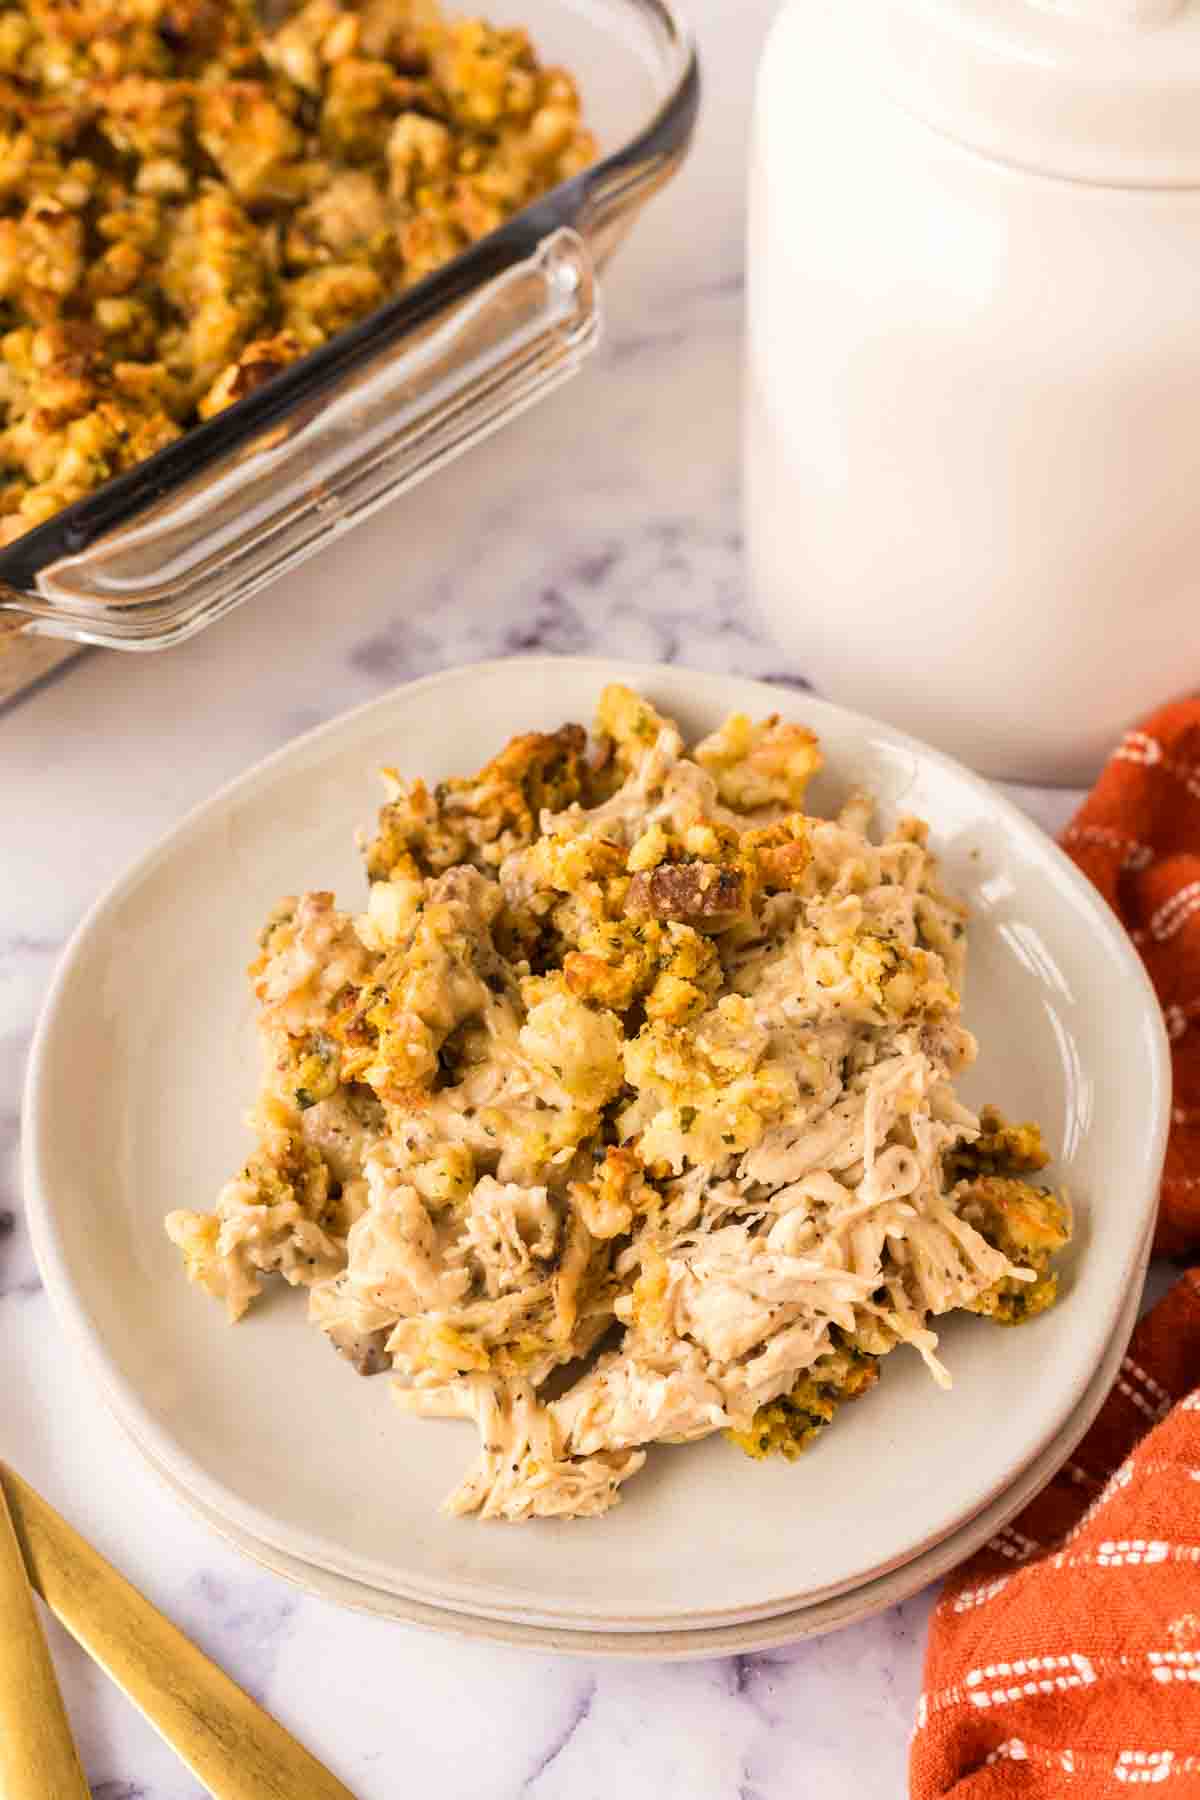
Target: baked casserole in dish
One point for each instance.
(263, 270)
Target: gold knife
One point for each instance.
(37, 1752)
(234, 1748)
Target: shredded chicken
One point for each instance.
(625, 1112)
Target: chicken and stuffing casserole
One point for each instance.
(193, 196)
(625, 1112)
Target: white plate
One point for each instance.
(719, 1640)
(144, 1061)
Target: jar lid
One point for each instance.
(1098, 90)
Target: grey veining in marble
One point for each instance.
(606, 519)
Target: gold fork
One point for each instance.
(37, 1751)
(234, 1748)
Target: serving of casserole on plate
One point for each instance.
(797, 971)
(625, 1045)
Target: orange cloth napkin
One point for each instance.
(1064, 1659)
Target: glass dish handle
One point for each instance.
(391, 421)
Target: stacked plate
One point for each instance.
(142, 1067)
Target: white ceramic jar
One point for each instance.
(973, 403)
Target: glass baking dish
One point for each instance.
(161, 551)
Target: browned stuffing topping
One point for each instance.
(479, 819)
(191, 199)
(1000, 1149)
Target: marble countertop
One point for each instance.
(607, 518)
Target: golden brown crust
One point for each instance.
(1000, 1149)
(480, 819)
(189, 201)
(787, 1426)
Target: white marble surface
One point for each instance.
(607, 518)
